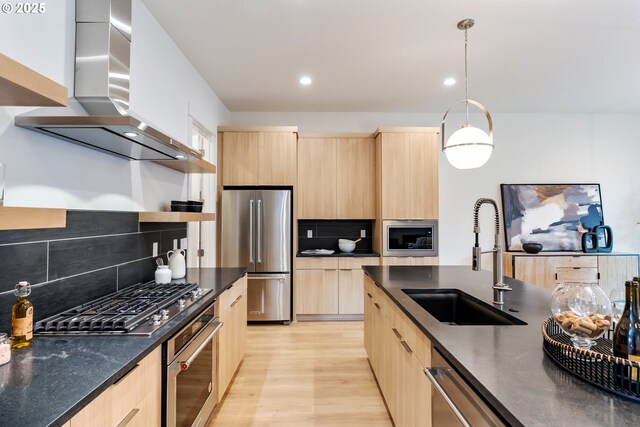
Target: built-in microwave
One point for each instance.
(410, 238)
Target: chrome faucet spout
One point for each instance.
(498, 286)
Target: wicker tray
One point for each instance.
(597, 366)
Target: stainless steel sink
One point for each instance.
(454, 307)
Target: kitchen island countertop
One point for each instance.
(56, 376)
(506, 364)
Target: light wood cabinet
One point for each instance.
(317, 178)
(258, 157)
(408, 173)
(399, 353)
(336, 177)
(355, 186)
(331, 286)
(552, 268)
(232, 337)
(134, 400)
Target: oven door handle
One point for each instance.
(185, 365)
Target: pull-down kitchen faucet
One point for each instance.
(498, 287)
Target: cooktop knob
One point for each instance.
(164, 313)
(156, 319)
(181, 302)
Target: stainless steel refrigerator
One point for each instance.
(256, 233)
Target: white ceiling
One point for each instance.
(538, 56)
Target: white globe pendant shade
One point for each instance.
(468, 148)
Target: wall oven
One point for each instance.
(410, 238)
(190, 381)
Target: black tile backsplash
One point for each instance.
(96, 254)
(69, 257)
(79, 224)
(327, 232)
(22, 262)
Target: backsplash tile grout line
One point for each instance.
(90, 237)
(47, 261)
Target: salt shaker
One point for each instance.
(5, 349)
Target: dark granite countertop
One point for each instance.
(338, 254)
(52, 379)
(506, 364)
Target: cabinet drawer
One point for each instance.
(577, 274)
(320, 263)
(356, 263)
(230, 295)
(130, 390)
(577, 261)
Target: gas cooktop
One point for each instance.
(137, 310)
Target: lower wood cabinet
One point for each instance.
(551, 268)
(398, 353)
(330, 286)
(134, 400)
(232, 337)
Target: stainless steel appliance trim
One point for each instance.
(185, 364)
(409, 224)
(171, 354)
(259, 222)
(431, 374)
(251, 230)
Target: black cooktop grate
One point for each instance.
(119, 312)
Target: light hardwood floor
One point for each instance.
(308, 374)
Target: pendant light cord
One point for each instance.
(466, 79)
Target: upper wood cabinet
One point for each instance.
(21, 86)
(336, 177)
(258, 156)
(407, 171)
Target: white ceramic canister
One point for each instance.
(163, 275)
(177, 263)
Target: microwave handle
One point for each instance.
(185, 365)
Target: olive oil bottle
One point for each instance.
(626, 337)
(22, 317)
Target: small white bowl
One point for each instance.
(346, 245)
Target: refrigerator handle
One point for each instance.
(259, 213)
(251, 231)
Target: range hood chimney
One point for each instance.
(103, 48)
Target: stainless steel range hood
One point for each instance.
(103, 46)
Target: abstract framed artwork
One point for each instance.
(554, 215)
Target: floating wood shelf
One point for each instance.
(20, 86)
(188, 166)
(12, 218)
(176, 217)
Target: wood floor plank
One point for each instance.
(310, 374)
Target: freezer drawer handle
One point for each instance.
(279, 277)
(251, 231)
(432, 373)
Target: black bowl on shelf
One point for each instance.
(180, 208)
(532, 247)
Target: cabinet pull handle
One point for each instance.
(129, 417)
(377, 306)
(406, 346)
(395, 331)
(556, 276)
(431, 374)
(369, 295)
(127, 374)
(236, 301)
(576, 268)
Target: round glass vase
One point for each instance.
(582, 310)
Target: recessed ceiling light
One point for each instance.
(131, 134)
(450, 81)
(305, 80)
(180, 156)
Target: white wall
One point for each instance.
(530, 148)
(165, 90)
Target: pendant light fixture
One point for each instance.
(469, 147)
